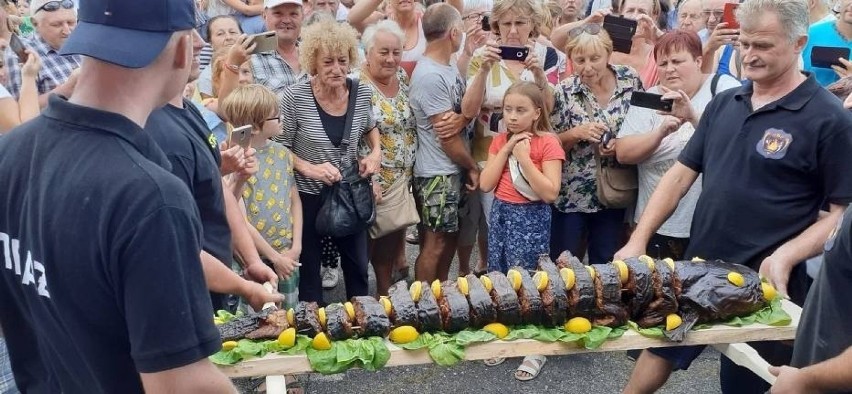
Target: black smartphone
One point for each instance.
(620, 27)
(486, 23)
(651, 100)
(18, 47)
(241, 135)
(825, 57)
(514, 53)
(606, 137)
(265, 42)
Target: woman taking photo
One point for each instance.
(594, 100)
(654, 141)
(381, 71)
(313, 116)
(222, 32)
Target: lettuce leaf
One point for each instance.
(522, 332)
(421, 342)
(549, 334)
(250, 348)
(596, 337)
(446, 353)
(230, 357)
(651, 332)
(616, 333)
(774, 315)
(368, 353)
(467, 337)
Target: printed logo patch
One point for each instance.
(774, 144)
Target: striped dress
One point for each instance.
(303, 133)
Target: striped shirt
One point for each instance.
(270, 70)
(205, 57)
(303, 133)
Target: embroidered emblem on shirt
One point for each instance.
(774, 144)
(213, 141)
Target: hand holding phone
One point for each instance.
(514, 53)
(825, 57)
(651, 101)
(486, 23)
(241, 135)
(18, 47)
(729, 15)
(264, 42)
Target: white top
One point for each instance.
(4, 93)
(642, 121)
(414, 54)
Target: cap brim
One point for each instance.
(123, 47)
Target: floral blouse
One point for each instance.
(397, 130)
(579, 185)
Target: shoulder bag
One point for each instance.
(617, 184)
(347, 206)
(396, 210)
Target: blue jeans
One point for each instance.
(7, 380)
(603, 231)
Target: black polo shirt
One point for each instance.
(194, 156)
(766, 172)
(823, 331)
(102, 278)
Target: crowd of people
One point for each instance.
(160, 162)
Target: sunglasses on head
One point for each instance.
(591, 28)
(51, 6)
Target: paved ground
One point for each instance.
(586, 373)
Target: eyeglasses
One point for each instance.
(694, 17)
(275, 118)
(51, 6)
(591, 28)
(716, 13)
(476, 15)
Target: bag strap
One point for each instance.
(350, 114)
(713, 83)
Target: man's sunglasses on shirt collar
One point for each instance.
(51, 6)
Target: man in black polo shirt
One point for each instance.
(770, 154)
(180, 131)
(822, 354)
(102, 288)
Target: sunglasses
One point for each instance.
(591, 28)
(51, 6)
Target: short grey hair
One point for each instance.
(368, 38)
(438, 20)
(471, 5)
(792, 14)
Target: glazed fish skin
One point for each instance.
(455, 312)
(307, 319)
(581, 298)
(505, 299)
(665, 302)
(371, 317)
(271, 327)
(428, 313)
(404, 309)
(553, 298)
(706, 291)
(638, 292)
(610, 311)
(532, 309)
(482, 310)
(337, 323)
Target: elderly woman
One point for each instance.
(313, 115)
(654, 141)
(381, 71)
(407, 14)
(222, 32)
(589, 103)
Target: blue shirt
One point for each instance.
(824, 35)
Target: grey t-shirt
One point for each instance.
(642, 121)
(435, 89)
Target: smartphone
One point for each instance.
(606, 137)
(265, 42)
(241, 135)
(825, 57)
(651, 100)
(621, 31)
(486, 23)
(18, 47)
(514, 53)
(729, 15)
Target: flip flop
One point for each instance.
(493, 361)
(532, 366)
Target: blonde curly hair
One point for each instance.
(529, 8)
(329, 36)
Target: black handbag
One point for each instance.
(347, 206)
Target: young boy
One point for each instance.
(271, 200)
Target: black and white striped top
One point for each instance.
(303, 133)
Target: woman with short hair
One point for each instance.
(313, 115)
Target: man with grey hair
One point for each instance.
(786, 138)
(443, 163)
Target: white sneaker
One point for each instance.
(330, 277)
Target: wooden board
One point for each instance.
(274, 364)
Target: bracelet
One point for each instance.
(232, 68)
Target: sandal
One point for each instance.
(493, 361)
(530, 367)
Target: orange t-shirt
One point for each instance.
(542, 148)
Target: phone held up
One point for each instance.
(486, 23)
(17, 46)
(729, 15)
(514, 53)
(241, 135)
(651, 100)
(621, 31)
(825, 57)
(265, 42)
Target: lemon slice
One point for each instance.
(287, 338)
(350, 310)
(229, 345)
(321, 342)
(623, 272)
(567, 275)
(736, 279)
(514, 278)
(386, 302)
(321, 316)
(591, 271)
(403, 334)
(463, 286)
(541, 279)
(436, 288)
(499, 330)
(578, 325)
(416, 290)
(486, 282)
(673, 321)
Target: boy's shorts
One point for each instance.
(439, 198)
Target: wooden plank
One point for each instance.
(284, 365)
(745, 356)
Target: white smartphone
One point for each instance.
(242, 136)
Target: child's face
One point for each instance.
(519, 113)
(271, 127)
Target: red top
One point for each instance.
(542, 148)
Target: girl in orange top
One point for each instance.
(525, 166)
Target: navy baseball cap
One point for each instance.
(128, 33)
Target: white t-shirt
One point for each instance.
(4, 93)
(642, 121)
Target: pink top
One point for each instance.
(542, 148)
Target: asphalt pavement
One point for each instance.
(583, 373)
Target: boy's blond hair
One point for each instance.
(249, 105)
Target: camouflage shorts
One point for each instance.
(438, 199)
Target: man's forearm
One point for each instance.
(809, 243)
(832, 375)
(474, 96)
(219, 278)
(458, 153)
(243, 243)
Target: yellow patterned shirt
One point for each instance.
(267, 195)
